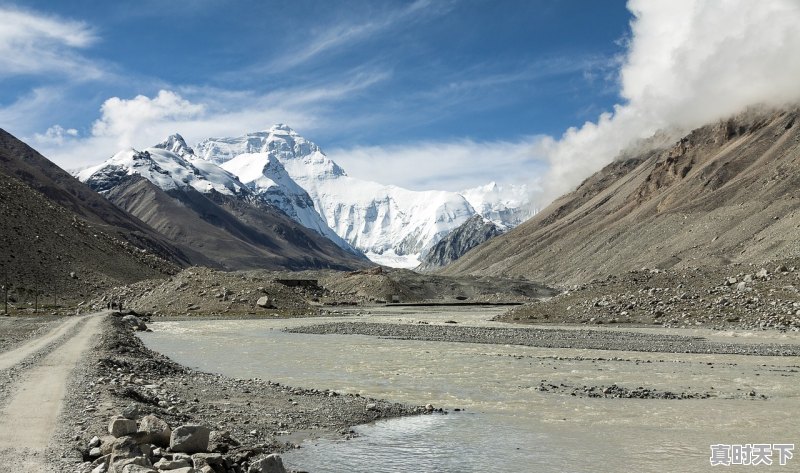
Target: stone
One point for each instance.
(158, 432)
(190, 438)
(131, 411)
(269, 464)
(94, 442)
(165, 464)
(214, 461)
(120, 426)
(100, 468)
(134, 468)
(263, 301)
(106, 443)
(762, 274)
(371, 407)
(741, 287)
(187, 469)
(136, 464)
(124, 448)
(95, 452)
(135, 322)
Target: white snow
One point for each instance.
(378, 219)
(166, 170)
(393, 260)
(507, 205)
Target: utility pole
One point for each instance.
(5, 289)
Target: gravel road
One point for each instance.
(37, 374)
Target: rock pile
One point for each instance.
(147, 444)
(737, 296)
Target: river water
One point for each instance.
(507, 425)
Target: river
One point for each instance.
(507, 423)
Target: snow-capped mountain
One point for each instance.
(391, 225)
(164, 168)
(172, 164)
(507, 206)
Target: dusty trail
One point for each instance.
(12, 357)
(30, 417)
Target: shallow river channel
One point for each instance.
(508, 424)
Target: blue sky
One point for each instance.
(427, 94)
(345, 74)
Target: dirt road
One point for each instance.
(29, 418)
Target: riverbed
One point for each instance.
(506, 422)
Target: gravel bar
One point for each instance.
(551, 338)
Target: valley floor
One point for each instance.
(97, 366)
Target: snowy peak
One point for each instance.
(505, 205)
(177, 145)
(280, 142)
(164, 168)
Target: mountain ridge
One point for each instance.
(725, 192)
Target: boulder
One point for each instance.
(124, 448)
(269, 464)
(190, 438)
(157, 431)
(762, 274)
(120, 426)
(135, 322)
(263, 301)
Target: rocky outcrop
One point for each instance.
(470, 234)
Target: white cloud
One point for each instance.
(196, 113)
(33, 43)
(56, 135)
(451, 165)
(128, 120)
(688, 62)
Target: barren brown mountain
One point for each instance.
(727, 192)
(228, 232)
(60, 240)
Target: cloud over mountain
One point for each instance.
(687, 62)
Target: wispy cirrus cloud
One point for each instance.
(349, 34)
(35, 43)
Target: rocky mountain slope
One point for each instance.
(391, 225)
(725, 193)
(457, 243)
(63, 241)
(203, 207)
